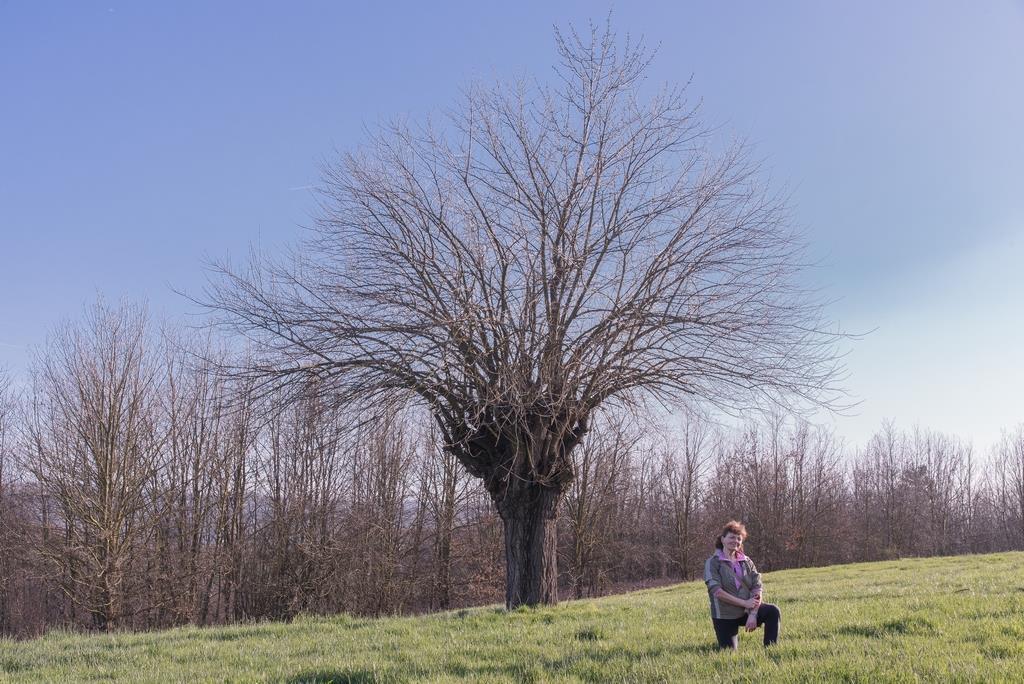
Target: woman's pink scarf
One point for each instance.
(737, 564)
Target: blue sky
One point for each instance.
(137, 139)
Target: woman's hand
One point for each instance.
(753, 603)
(752, 622)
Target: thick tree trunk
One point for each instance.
(531, 545)
(526, 474)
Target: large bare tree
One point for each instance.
(548, 249)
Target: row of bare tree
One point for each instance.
(138, 490)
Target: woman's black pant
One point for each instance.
(767, 615)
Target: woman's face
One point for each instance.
(731, 542)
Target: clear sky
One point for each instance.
(136, 139)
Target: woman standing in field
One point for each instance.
(734, 588)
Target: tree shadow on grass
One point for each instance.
(698, 649)
(335, 677)
(570, 664)
(900, 627)
(556, 666)
(10, 666)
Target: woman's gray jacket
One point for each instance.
(718, 574)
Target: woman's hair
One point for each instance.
(734, 526)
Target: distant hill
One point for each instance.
(937, 619)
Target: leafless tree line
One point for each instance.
(139, 490)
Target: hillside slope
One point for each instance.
(935, 619)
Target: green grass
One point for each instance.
(938, 619)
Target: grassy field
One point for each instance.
(939, 619)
